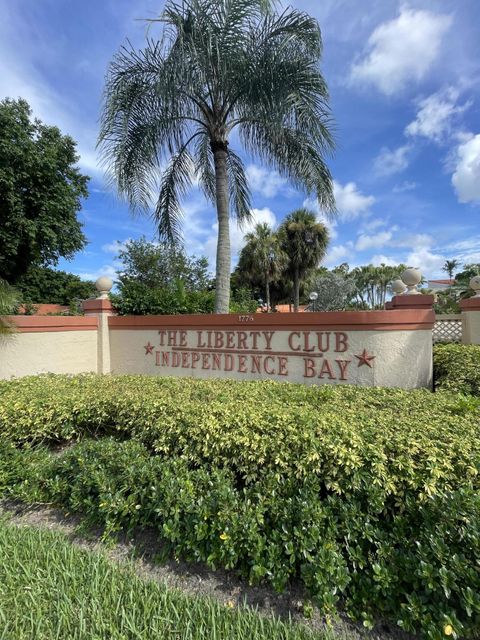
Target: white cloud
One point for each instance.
(337, 254)
(379, 259)
(350, 201)
(109, 270)
(414, 240)
(408, 185)
(389, 162)
(376, 241)
(466, 177)
(436, 114)
(237, 234)
(401, 50)
(262, 180)
(428, 262)
(375, 223)
(115, 246)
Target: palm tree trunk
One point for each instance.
(267, 294)
(222, 293)
(296, 289)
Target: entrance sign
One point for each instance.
(385, 348)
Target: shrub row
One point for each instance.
(457, 368)
(417, 565)
(383, 442)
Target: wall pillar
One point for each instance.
(102, 308)
(471, 314)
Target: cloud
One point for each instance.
(115, 246)
(237, 234)
(388, 162)
(436, 114)
(268, 183)
(109, 270)
(380, 259)
(350, 201)
(466, 177)
(401, 50)
(337, 254)
(408, 185)
(375, 223)
(369, 242)
(425, 260)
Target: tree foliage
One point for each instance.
(45, 285)
(335, 291)
(218, 66)
(40, 193)
(304, 241)
(372, 284)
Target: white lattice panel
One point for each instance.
(448, 329)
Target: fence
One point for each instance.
(448, 327)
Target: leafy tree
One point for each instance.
(334, 290)
(220, 65)
(161, 266)
(262, 260)
(450, 266)
(40, 193)
(469, 270)
(8, 304)
(371, 284)
(304, 241)
(44, 285)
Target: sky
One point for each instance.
(404, 80)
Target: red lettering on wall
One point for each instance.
(228, 362)
(162, 333)
(309, 370)
(290, 341)
(256, 364)
(157, 358)
(306, 344)
(242, 364)
(326, 370)
(343, 366)
(254, 335)
(217, 362)
(175, 359)
(172, 338)
(323, 341)
(165, 358)
(230, 339)
(341, 342)
(242, 340)
(268, 335)
(265, 362)
(185, 360)
(205, 361)
(195, 359)
(219, 340)
(183, 339)
(200, 343)
(282, 366)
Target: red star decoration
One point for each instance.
(365, 358)
(148, 348)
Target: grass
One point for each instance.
(51, 589)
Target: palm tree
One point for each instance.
(450, 266)
(262, 258)
(220, 66)
(305, 242)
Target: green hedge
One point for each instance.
(457, 368)
(370, 496)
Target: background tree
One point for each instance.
(450, 266)
(262, 259)
(334, 290)
(40, 193)
(43, 285)
(305, 242)
(161, 265)
(371, 284)
(219, 66)
(8, 304)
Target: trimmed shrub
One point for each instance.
(368, 495)
(457, 368)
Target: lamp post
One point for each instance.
(313, 297)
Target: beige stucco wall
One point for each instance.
(23, 354)
(403, 358)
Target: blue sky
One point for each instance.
(405, 94)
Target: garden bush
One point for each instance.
(369, 496)
(457, 368)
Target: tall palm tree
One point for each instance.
(305, 242)
(450, 266)
(219, 66)
(262, 258)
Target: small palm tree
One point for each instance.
(305, 242)
(220, 66)
(450, 266)
(262, 258)
(8, 303)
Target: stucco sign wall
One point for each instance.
(367, 348)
